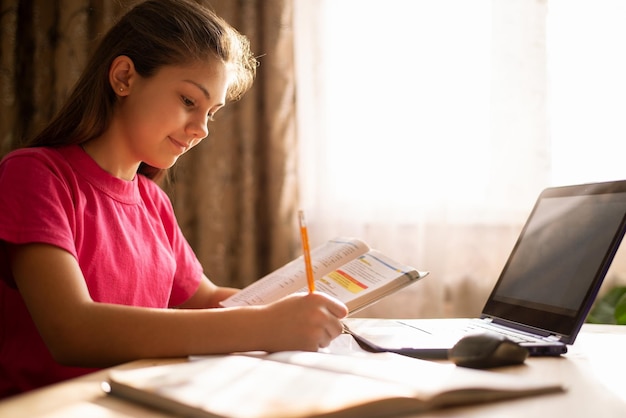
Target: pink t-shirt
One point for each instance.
(124, 235)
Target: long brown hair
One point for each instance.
(154, 33)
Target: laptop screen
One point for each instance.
(560, 259)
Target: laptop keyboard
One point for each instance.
(475, 326)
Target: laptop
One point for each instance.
(546, 288)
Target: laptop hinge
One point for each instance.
(555, 338)
(550, 338)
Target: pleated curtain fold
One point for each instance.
(235, 194)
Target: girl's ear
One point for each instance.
(121, 75)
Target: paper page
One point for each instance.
(308, 384)
(292, 277)
(344, 344)
(356, 277)
(363, 278)
(237, 386)
(427, 379)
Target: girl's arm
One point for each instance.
(81, 332)
(208, 295)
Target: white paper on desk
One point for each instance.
(295, 384)
(344, 344)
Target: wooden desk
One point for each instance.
(594, 372)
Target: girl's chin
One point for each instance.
(162, 164)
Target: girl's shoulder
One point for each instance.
(49, 154)
(34, 152)
(29, 158)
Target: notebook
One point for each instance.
(545, 289)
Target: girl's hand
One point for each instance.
(303, 321)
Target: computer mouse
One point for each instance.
(487, 350)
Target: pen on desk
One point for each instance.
(304, 235)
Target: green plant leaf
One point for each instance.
(602, 313)
(620, 311)
(604, 310)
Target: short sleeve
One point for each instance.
(36, 205)
(35, 201)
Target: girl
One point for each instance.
(91, 255)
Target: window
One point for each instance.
(429, 127)
(587, 107)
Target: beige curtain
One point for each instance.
(236, 194)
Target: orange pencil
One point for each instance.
(304, 235)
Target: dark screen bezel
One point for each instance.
(566, 324)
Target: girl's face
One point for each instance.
(165, 115)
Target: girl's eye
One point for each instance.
(186, 101)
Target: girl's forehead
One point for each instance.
(212, 78)
(200, 69)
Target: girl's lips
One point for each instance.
(179, 144)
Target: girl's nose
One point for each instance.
(198, 129)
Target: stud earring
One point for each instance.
(121, 88)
